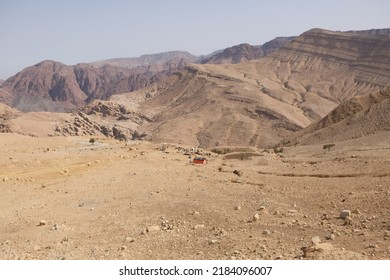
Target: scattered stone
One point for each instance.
(130, 239)
(266, 232)
(330, 236)
(345, 213)
(124, 247)
(237, 172)
(292, 211)
(5, 179)
(356, 211)
(368, 246)
(152, 229)
(199, 226)
(316, 240)
(238, 207)
(7, 242)
(42, 223)
(256, 217)
(213, 241)
(347, 221)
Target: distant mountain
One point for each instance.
(383, 31)
(1, 82)
(166, 60)
(235, 54)
(246, 52)
(276, 44)
(53, 86)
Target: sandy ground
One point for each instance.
(64, 198)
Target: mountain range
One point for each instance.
(243, 95)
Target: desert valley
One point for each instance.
(97, 158)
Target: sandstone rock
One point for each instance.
(238, 207)
(256, 217)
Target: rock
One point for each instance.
(316, 240)
(7, 242)
(292, 211)
(199, 226)
(266, 232)
(124, 247)
(237, 207)
(256, 217)
(330, 236)
(347, 221)
(261, 208)
(213, 241)
(356, 211)
(238, 173)
(368, 246)
(345, 213)
(130, 239)
(42, 223)
(5, 179)
(152, 229)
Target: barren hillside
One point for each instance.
(360, 116)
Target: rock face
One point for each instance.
(365, 56)
(103, 118)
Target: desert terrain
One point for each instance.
(96, 159)
(66, 198)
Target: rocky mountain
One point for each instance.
(1, 82)
(245, 52)
(53, 86)
(276, 44)
(235, 54)
(256, 102)
(360, 116)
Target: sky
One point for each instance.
(75, 31)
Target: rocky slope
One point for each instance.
(358, 117)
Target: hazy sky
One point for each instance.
(73, 31)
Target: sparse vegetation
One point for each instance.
(278, 150)
(328, 147)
